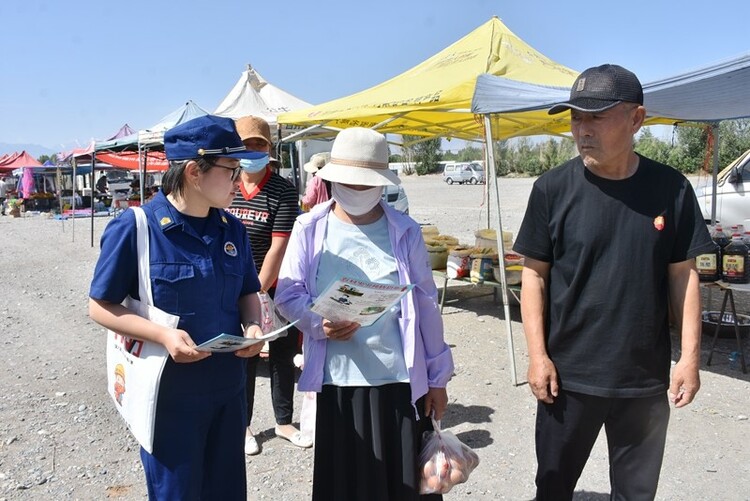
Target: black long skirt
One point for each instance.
(367, 443)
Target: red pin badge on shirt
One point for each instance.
(659, 222)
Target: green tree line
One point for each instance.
(689, 150)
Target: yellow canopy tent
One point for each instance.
(434, 97)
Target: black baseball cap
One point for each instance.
(601, 88)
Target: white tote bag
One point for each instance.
(134, 367)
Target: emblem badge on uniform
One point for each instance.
(230, 249)
(164, 221)
(659, 222)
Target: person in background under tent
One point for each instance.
(3, 193)
(318, 190)
(101, 184)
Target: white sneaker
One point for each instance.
(251, 445)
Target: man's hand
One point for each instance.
(542, 377)
(181, 347)
(686, 382)
(339, 331)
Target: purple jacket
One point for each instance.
(428, 357)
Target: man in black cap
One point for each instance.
(610, 239)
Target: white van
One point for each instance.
(463, 172)
(732, 194)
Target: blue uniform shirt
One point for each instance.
(198, 278)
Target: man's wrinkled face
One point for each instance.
(605, 136)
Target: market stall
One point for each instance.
(727, 318)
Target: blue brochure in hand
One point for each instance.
(228, 343)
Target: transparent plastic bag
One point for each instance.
(445, 461)
(271, 320)
(307, 414)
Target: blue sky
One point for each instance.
(79, 69)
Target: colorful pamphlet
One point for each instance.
(225, 343)
(352, 300)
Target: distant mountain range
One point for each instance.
(35, 150)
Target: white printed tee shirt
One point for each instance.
(374, 356)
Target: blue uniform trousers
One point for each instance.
(198, 447)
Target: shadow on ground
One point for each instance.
(587, 496)
(475, 414)
(480, 299)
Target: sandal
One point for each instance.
(297, 438)
(251, 445)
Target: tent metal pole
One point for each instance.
(715, 127)
(487, 147)
(142, 167)
(59, 196)
(300, 134)
(492, 177)
(73, 202)
(93, 169)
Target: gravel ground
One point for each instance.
(61, 438)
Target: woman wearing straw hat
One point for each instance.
(377, 384)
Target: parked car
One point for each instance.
(732, 194)
(119, 181)
(395, 196)
(463, 172)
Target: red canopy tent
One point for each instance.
(22, 159)
(6, 159)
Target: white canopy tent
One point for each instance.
(254, 95)
(154, 135)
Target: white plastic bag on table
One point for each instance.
(445, 461)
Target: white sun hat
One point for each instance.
(317, 162)
(359, 156)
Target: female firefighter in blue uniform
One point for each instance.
(201, 270)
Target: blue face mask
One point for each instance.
(253, 166)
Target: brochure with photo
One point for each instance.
(226, 343)
(352, 300)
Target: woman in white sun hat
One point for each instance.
(378, 384)
(318, 190)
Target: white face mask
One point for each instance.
(356, 202)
